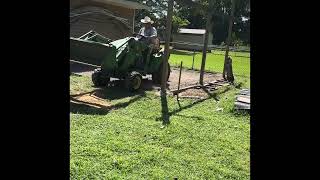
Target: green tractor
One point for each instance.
(128, 59)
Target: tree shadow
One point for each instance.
(165, 109)
(192, 117)
(174, 112)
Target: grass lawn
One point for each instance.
(214, 61)
(128, 141)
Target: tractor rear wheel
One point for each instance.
(157, 76)
(133, 81)
(99, 79)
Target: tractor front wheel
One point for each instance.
(133, 81)
(99, 79)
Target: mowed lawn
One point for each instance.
(128, 140)
(214, 61)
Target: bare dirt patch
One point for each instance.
(188, 78)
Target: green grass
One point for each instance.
(214, 61)
(128, 141)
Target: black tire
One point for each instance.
(156, 77)
(99, 79)
(133, 81)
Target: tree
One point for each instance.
(227, 59)
(195, 13)
(178, 22)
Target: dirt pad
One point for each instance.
(188, 78)
(90, 100)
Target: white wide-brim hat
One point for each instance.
(146, 20)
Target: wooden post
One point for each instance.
(228, 38)
(179, 85)
(134, 16)
(166, 48)
(205, 44)
(194, 54)
(180, 75)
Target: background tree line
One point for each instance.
(192, 14)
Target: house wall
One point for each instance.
(103, 24)
(195, 40)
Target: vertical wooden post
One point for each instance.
(166, 48)
(180, 75)
(194, 54)
(134, 14)
(205, 45)
(228, 38)
(179, 85)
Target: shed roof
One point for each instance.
(124, 3)
(192, 31)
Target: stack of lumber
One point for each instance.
(242, 100)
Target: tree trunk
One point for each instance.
(205, 43)
(228, 38)
(166, 48)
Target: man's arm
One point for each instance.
(141, 31)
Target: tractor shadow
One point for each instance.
(102, 100)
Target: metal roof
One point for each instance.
(192, 31)
(123, 3)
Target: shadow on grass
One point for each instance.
(166, 114)
(240, 112)
(165, 110)
(192, 117)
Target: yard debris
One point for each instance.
(219, 109)
(243, 100)
(90, 100)
(201, 90)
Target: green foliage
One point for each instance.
(195, 13)
(178, 22)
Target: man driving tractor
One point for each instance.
(148, 30)
(149, 34)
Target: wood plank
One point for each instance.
(244, 99)
(240, 105)
(185, 88)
